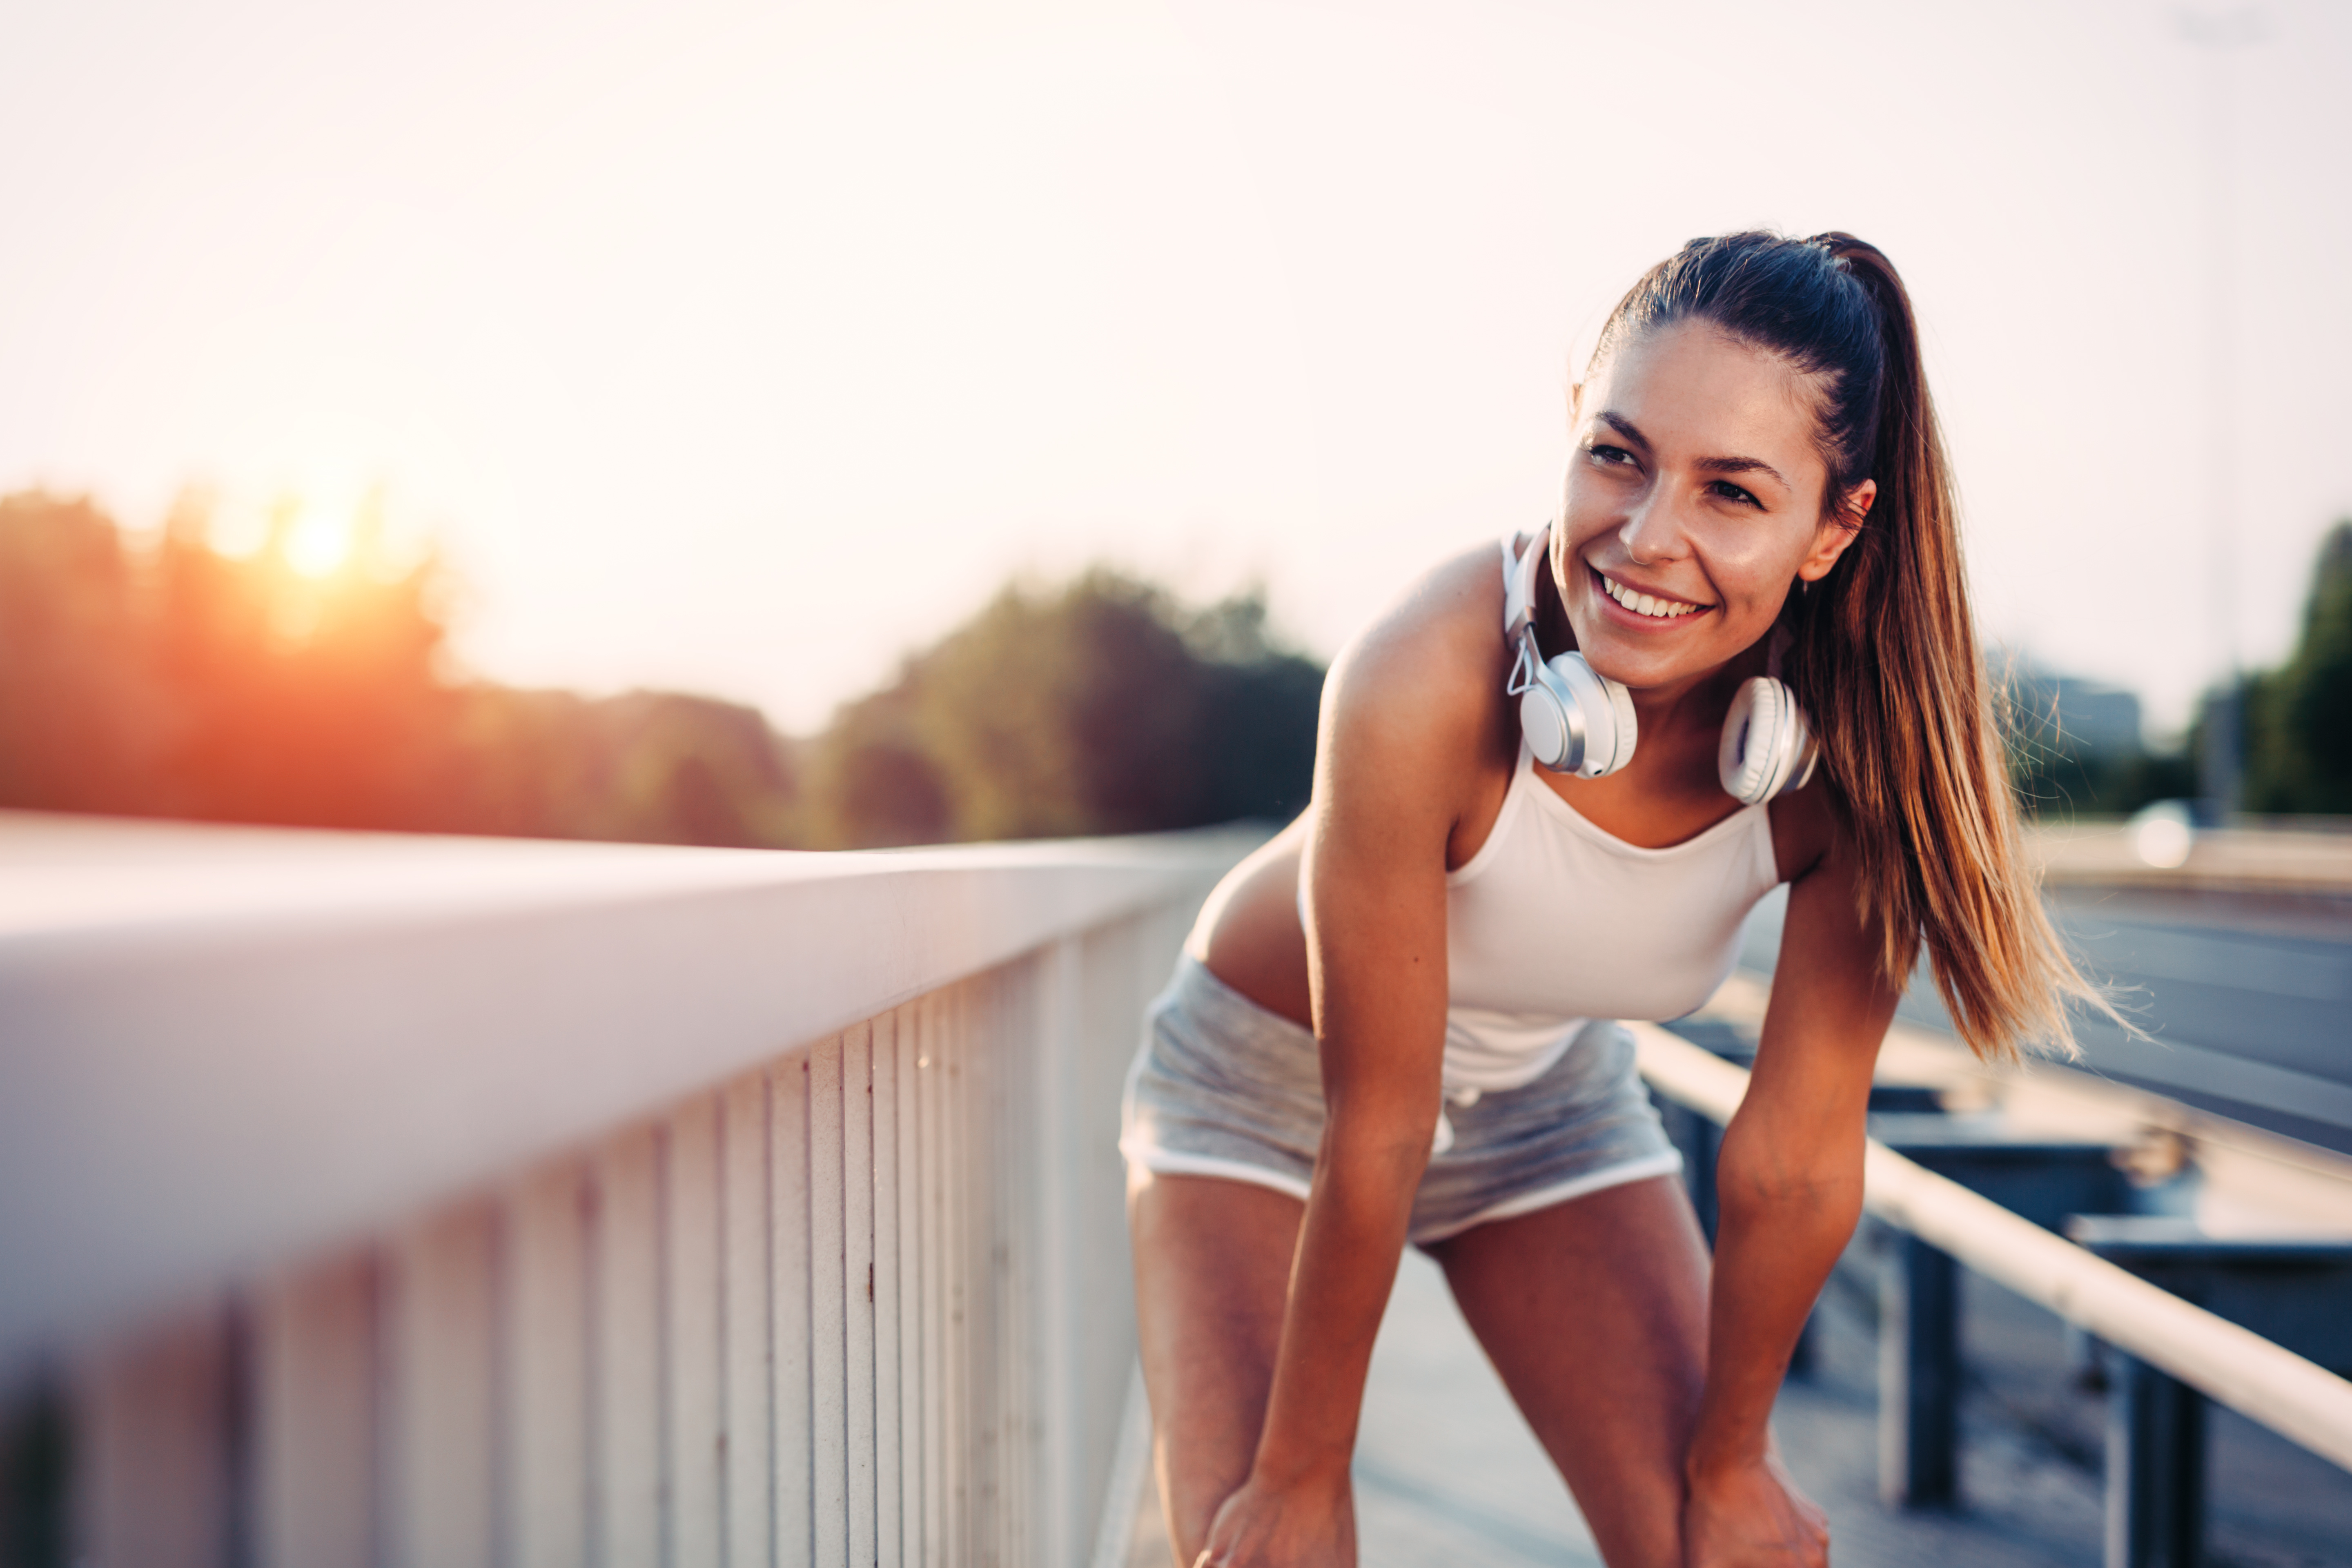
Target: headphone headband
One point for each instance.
(1519, 584)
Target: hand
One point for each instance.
(1753, 1516)
(1301, 1525)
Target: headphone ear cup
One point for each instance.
(1602, 713)
(1767, 746)
(1543, 721)
(1804, 751)
(1621, 707)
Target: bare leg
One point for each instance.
(1594, 1311)
(1211, 1274)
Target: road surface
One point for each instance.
(2245, 1001)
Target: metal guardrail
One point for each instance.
(375, 1201)
(2255, 857)
(2295, 1397)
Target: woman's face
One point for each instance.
(1693, 503)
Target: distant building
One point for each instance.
(2066, 712)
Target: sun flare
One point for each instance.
(320, 543)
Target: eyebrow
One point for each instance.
(1633, 436)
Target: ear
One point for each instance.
(1838, 531)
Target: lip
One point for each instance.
(1626, 618)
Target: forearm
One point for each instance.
(1349, 1241)
(1779, 1232)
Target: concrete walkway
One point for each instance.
(1446, 1472)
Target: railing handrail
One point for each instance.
(2288, 858)
(2294, 1397)
(222, 1047)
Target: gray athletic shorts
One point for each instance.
(1224, 1088)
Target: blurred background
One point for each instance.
(817, 424)
(845, 425)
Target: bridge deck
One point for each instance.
(1447, 1473)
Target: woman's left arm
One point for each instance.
(1788, 1192)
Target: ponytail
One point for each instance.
(1889, 661)
(1884, 655)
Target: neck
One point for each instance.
(1697, 704)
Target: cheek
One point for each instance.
(1593, 506)
(1752, 581)
(1754, 585)
(1753, 612)
(1757, 565)
(1583, 504)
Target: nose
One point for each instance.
(1653, 530)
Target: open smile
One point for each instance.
(1649, 606)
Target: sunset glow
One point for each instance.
(679, 327)
(320, 544)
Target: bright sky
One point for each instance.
(743, 348)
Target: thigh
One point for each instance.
(1594, 1311)
(1211, 1274)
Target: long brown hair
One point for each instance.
(1884, 656)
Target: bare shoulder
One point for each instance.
(1434, 655)
(1806, 832)
(1413, 711)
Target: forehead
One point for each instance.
(1695, 390)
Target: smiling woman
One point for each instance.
(1741, 654)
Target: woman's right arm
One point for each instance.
(1398, 747)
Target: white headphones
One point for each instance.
(1577, 720)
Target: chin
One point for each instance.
(1639, 669)
(1627, 669)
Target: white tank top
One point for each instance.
(1554, 923)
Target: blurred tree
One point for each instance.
(174, 680)
(162, 677)
(312, 701)
(1264, 703)
(647, 766)
(2061, 781)
(2298, 717)
(35, 1474)
(82, 724)
(1103, 707)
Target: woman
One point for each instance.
(1392, 1022)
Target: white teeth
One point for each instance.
(1644, 604)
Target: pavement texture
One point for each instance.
(2241, 997)
(1447, 1473)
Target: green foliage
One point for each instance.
(83, 721)
(1100, 707)
(175, 681)
(35, 1474)
(2298, 717)
(167, 679)
(2058, 781)
(648, 767)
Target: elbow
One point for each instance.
(1780, 1189)
(1389, 1147)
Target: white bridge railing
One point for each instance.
(380, 1201)
(2274, 1386)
